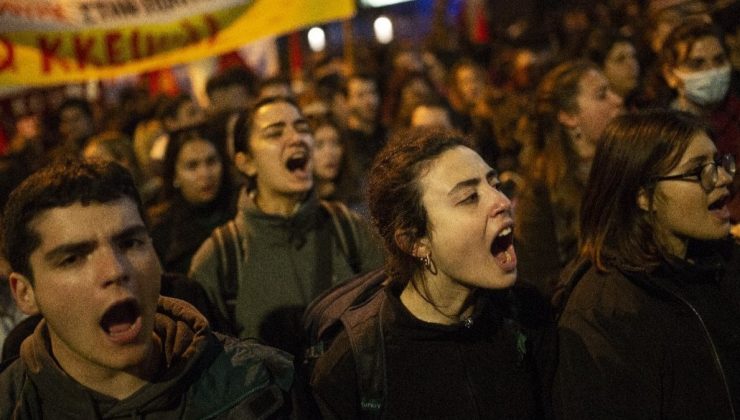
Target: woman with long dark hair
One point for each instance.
(197, 196)
(573, 104)
(652, 304)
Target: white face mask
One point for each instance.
(705, 87)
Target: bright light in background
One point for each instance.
(380, 3)
(316, 39)
(383, 29)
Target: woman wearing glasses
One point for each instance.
(651, 307)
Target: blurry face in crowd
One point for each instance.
(621, 68)
(704, 54)
(362, 99)
(702, 76)
(597, 105)
(275, 89)
(96, 281)
(430, 116)
(198, 172)
(327, 154)
(188, 113)
(229, 98)
(74, 124)
(280, 152)
(683, 209)
(470, 223)
(415, 91)
(470, 84)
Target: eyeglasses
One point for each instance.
(707, 174)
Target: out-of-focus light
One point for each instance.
(316, 39)
(380, 3)
(383, 29)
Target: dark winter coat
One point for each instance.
(664, 344)
(494, 366)
(206, 376)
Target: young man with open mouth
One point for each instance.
(109, 345)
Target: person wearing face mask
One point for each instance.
(695, 65)
(651, 305)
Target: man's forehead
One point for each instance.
(79, 220)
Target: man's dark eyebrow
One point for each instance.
(77, 248)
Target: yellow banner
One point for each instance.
(59, 41)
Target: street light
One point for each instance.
(383, 29)
(316, 39)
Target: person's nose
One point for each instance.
(111, 266)
(500, 203)
(724, 177)
(299, 137)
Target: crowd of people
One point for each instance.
(531, 231)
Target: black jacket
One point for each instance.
(664, 344)
(497, 366)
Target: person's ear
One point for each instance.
(407, 240)
(245, 164)
(567, 119)
(23, 293)
(643, 201)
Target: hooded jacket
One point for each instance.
(203, 376)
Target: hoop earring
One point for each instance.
(429, 264)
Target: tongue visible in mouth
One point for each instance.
(120, 318)
(502, 247)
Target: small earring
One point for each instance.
(429, 263)
(176, 184)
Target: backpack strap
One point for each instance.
(364, 326)
(346, 232)
(229, 250)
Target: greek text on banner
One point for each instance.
(58, 41)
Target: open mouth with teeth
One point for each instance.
(122, 322)
(502, 248)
